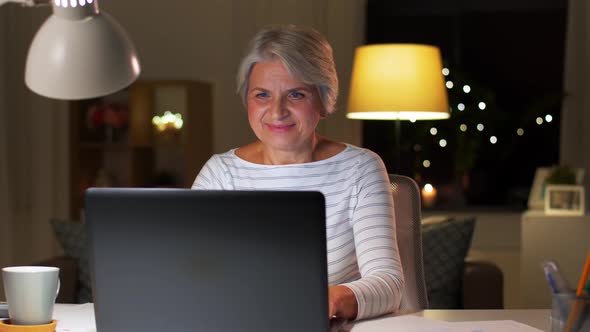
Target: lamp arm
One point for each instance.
(27, 3)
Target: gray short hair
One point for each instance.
(304, 52)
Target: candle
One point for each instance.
(428, 195)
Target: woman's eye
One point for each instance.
(262, 95)
(296, 95)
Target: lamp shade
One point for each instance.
(80, 53)
(397, 82)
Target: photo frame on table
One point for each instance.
(564, 200)
(537, 194)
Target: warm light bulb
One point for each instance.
(539, 121)
(442, 143)
(168, 121)
(548, 118)
(433, 131)
(426, 163)
(449, 84)
(463, 127)
(520, 131)
(446, 71)
(482, 105)
(480, 127)
(466, 88)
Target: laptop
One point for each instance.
(191, 260)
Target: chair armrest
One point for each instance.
(68, 276)
(483, 286)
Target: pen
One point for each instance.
(579, 292)
(557, 282)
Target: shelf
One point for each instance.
(135, 155)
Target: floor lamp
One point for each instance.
(397, 82)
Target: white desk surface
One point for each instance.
(80, 318)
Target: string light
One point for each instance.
(464, 127)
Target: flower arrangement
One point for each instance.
(112, 119)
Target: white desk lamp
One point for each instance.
(79, 52)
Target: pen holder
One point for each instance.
(570, 313)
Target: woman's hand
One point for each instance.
(342, 302)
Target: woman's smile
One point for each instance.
(280, 128)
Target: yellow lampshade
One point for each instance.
(397, 82)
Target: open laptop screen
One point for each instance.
(187, 260)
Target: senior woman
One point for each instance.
(288, 83)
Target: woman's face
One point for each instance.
(283, 112)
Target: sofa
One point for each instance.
(452, 282)
(482, 284)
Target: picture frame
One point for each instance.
(564, 200)
(536, 199)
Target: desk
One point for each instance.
(80, 318)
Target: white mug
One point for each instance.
(30, 292)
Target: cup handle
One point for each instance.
(58, 287)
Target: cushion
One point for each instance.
(445, 245)
(74, 241)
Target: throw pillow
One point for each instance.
(74, 241)
(445, 245)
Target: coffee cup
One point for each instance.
(30, 292)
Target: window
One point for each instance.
(512, 60)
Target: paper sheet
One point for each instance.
(401, 323)
(493, 326)
(421, 324)
(74, 318)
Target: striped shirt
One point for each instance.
(362, 248)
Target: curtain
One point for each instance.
(33, 149)
(575, 118)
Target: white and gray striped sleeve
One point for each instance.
(213, 175)
(378, 291)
